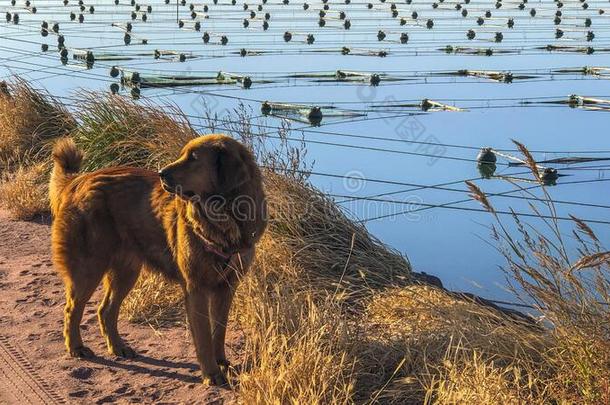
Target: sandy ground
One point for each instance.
(34, 367)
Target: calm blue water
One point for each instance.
(446, 242)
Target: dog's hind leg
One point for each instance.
(118, 281)
(78, 292)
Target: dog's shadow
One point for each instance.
(140, 362)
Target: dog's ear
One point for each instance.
(231, 169)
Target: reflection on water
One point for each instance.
(398, 103)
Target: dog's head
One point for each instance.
(209, 165)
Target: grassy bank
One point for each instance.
(330, 314)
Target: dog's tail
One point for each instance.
(67, 159)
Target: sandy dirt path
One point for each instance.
(34, 367)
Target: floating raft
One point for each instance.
(306, 113)
(425, 105)
(496, 76)
(133, 79)
(601, 72)
(576, 101)
(374, 79)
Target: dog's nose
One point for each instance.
(164, 175)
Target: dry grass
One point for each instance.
(116, 131)
(154, 301)
(570, 288)
(470, 377)
(330, 315)
(29, 120)
(424, 326)
(291, 334)
(24, 193)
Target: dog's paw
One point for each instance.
(123, 351)
(82, 352)
(217, 379)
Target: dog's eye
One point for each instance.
(193, 156)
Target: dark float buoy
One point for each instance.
(486, 162)
(375, 79)
(89, 59)
(315, 116)
(114, 71)
(135, 93)
(265, 108)
(549, 176)
(114, 88)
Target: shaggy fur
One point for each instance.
(196, 221)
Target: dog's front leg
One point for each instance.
(198, 312)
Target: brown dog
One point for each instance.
(197, 222)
